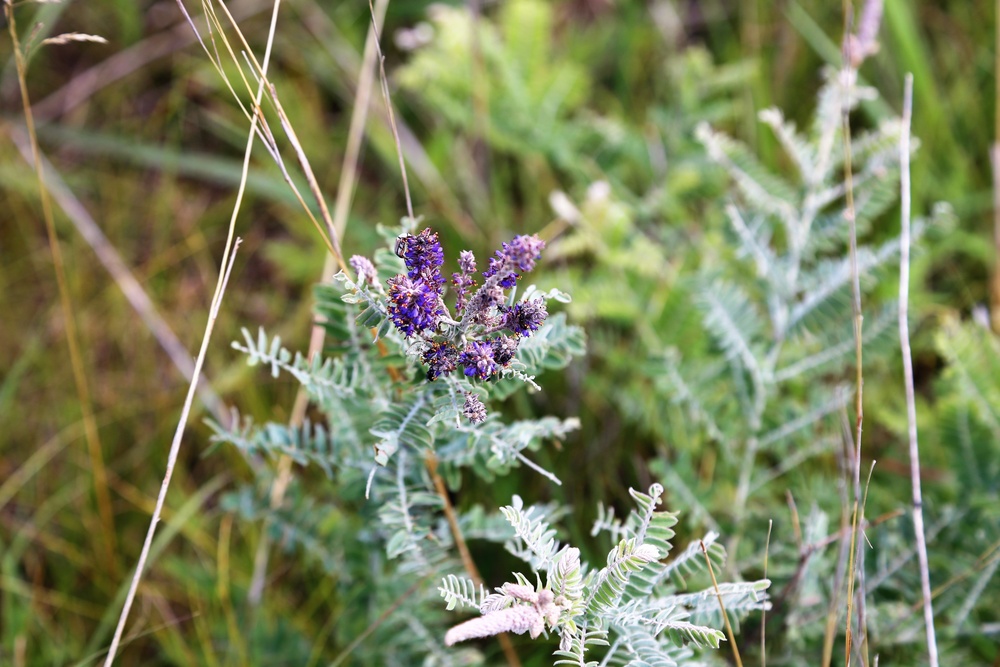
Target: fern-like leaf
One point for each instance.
(535, 542)
(461, 591)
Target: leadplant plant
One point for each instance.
(632, 605)
(403, 388)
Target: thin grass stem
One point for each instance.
(848, 73)
(392, 116)
(904, 342)
(763, 611)
(722, 607)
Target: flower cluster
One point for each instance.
(484, 338)
(423, 257)
(542, 608)
(474, 410)
(463, 281)
(518, 255)
(365, 269)
(414, 306)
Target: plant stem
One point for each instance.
(848, 75)
(904, 342)
(995, 160)
(722, 607)
(431, 463)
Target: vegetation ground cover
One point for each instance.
(620, 133)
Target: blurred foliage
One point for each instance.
(575, 118)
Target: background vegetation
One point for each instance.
(501, 107)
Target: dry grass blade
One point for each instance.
(722, 607)
(330, 236)
(904, 341)
(128, 61)
(392, 117)
(257, 118)
(230, 256)
(70, 37)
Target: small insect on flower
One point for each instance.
(402, 243)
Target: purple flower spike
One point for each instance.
(423, 257)
(414, 305)
(464, 281)
(441, 359)
(482, 303)
(365, 269)
(519, 255)
(467, 261)
(524, 251)
(478, 360)
(504, 349)
(525, 317)
(474, 410)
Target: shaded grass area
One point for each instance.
(154, 155)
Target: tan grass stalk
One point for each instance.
(763, 612)
(66, 305)
(904, 342)
(230, 257)
(722, 607)
(330, 237)
(844, 534)
(857, 517)
(226, 264)
(392, 117)
(258, 122)
(222, 589)
(83, 85)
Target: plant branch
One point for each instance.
(431, 463)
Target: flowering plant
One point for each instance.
(390, 384)
(483, 335)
